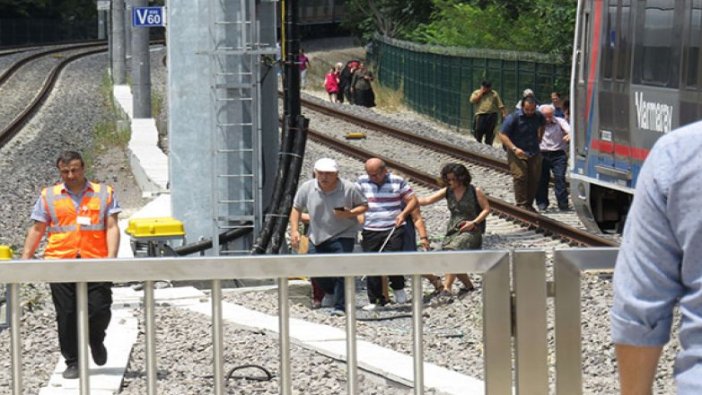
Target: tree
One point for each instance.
(391, 18)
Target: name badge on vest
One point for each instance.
(83, 220)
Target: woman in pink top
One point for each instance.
(331, 84)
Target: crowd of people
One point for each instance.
(384, 208)
(536, 139)
(351, 83)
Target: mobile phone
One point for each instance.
(339, 209)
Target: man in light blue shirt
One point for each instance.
(659, 265)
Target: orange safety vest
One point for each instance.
(79, 232)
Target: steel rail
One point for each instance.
(15, 66)
(433, 144)
(549, 226)
(16, 125)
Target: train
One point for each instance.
(636, 75)
(319, 18)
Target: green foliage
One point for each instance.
(545, 26)
(66, 10)
(391, 18)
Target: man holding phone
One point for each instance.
(333, 205)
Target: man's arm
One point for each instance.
(112, 236)
(34, 235)
(637, 368)
(421, 228)
(410, 204)
(295, 227)
(475, 96)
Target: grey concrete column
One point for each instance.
(118, 61)
(141, 68)
(128, 29)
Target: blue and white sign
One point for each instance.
(148, 16)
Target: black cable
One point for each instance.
(384, 318)
(268, 377)
(203, 245)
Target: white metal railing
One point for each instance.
(493, 265)
(520, 310)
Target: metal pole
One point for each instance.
(417, 332)
(351, 357)
(141, 68)
(284, 330)
(217, 337)
(150, 337)
(101, 25)
(83, 361)
(128, 29)
(118, 61)
(15, 322)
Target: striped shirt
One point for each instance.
(384, 201)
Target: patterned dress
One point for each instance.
(465, 209)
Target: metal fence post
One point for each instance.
(568, 331)
(284, 341)
(83, 330)
(351, 356)
(150, 348)
(531, 348)
(496, 329)
(417, 332)
(217, 337)
(13, 304)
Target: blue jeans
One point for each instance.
(333, 285)
(555, 161)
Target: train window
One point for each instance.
(610, 41)
(624, 40)
(692, 65)
(654, 54)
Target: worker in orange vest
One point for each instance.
(81, 219)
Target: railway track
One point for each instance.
(10, 130)
(549, 226)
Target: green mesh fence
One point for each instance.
(438, 81)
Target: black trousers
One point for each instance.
(485, 127)
(372, 241)
(99, 315)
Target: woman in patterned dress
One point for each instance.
(469, 208)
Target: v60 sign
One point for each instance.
(148, 16)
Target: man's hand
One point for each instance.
(342, 213)
(295, 238)
(520, 153)
(424, 242)
(399, 220)
(566, 138)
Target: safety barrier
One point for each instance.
(530, 293)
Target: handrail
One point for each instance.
(494, 265)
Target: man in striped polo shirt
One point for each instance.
(386, 194)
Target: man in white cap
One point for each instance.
(333, 204)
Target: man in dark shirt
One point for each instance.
(521, 134)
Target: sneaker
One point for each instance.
(99, 353)
(543, 207)
(371, 307)
(400, 296)
(338, 313)
(328, 300)
(563, 207)
(316, 304)
(71, 372)
(463, 291)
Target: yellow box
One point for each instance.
(5, 253)
(155, 227)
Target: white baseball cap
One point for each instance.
(327, 165)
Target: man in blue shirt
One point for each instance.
(521, 134)
(659, 266)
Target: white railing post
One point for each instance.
(497, 337)
(150, 346)
(351, 357)
(16, 325)
(217, 337)
(417, 328)
(83, 335)
(284, 330)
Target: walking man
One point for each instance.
(487, 103)
(658, 267)
(553, 151)
(81, 220)
(384, 223)
(333, 205)
(521, 134)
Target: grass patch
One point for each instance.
(156, 104)
(388, 98)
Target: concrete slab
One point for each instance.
(107, 379)
(332, 342)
